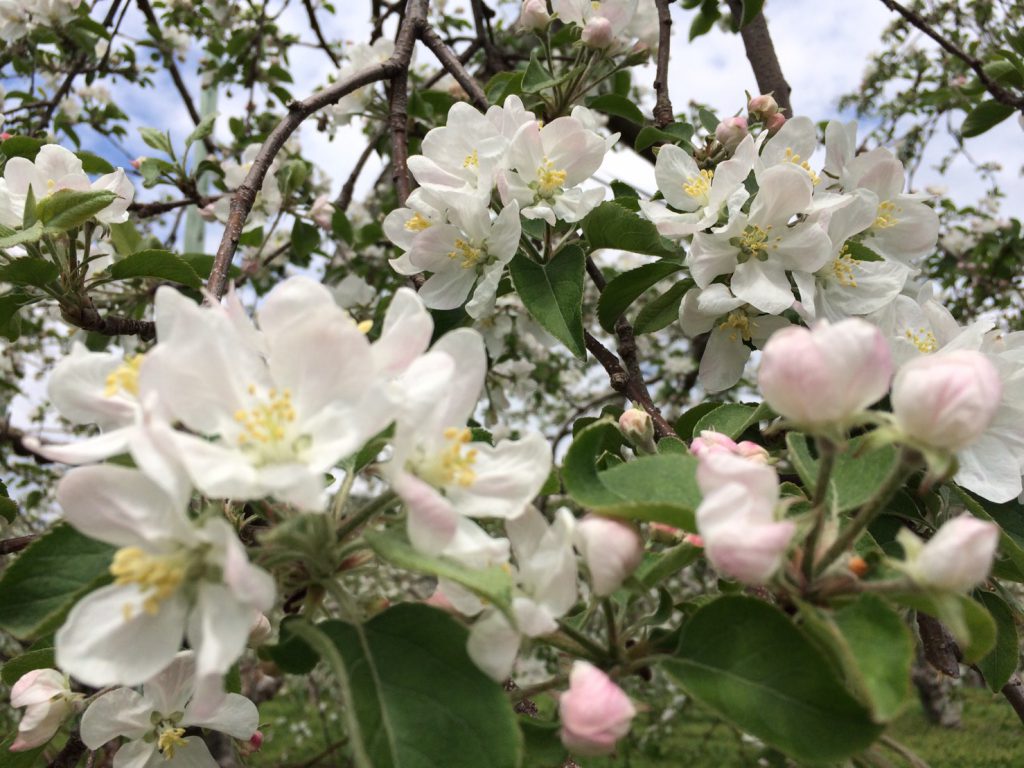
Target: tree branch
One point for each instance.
(243, 198)
(172, 68)
(997, 91)
(663, 113)
(88, 318)
(315, 26)
(761, 53)
(452, 64)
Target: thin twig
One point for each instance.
(453, 65)
(663, 113)
(315, 26)
(17, 543)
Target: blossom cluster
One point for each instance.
(19, 17)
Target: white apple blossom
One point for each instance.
(604, 24)
(794, 144)
(361, 56)
(956, 559)
(546, 167)
(759, 248)
(48, 702)
(173, 579)
(155, 721)
(701, 195)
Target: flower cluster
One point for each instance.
(19, 17)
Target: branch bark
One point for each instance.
(761, 53)
(315, 25)
(663, 113)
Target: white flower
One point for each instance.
(732, 323)
(604, 23)
(472, 250)
(423, 209)
(361, 56)
(793, 145)
(48, 702)
(547, 165)
(268, 199)
(759, 248)
(278, 408)
(701, 195)
(172, 580)
(956, 559)
(155, 721)
(54, 169)
(437, 468)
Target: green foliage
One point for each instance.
(857, 475)
(612, 226)
(26, 662)
(157, 264)
(67, 208)
(622, 290)
(553, 294)
(1001, 662)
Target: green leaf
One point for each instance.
(93, 163)
(672, 134)
(657, 568)
(419, 700)
(8, 506)
(537, 77)
(857, 473)
(553, 294)
(503, 85)
(708, 119)
(31, 758)
(731, 419)
(29, 271)
(662, 488)
(882, 650)
(47, 578)
(202, 130)
(67, 208)
(1002, 660)
(612, 226)
(126, 238)
(986, 115)
(686, 424)
(743, 659)
(157, 139)
(613, 104)
(155, 263)
(291, 653)
(662, 310)
(305, 240)
(22, 146)
(702, 23)
(969, 623)
(340, 226)
(10, 238)
(492, 584)
(544, 748)
(624, 289)
(20, 665)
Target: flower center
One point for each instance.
(755, 241)
(453, 464)
(266, 426)
(842, 268)
(169, 740)
(417, 223)
(698, 186)
(472, 160)
(886, 216)
(792, 157)
(469, 254)
(124, 378)
(739, 322)
(923, 339)
(549, 179)
(159, 576)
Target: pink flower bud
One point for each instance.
(208, 212)
(256, 741)
(611, 549)
(775, 122)
(763, 106)
(946, 401)
(731, 131)
(5, 136)
(715, 442)
(48, 702)
(439, 599)
(137, 162)
(534, 15)
(638, 428)
(595, 712)
(958, 557)
(260, 631)
(826, 375)
(693, 539)
(598, 32)
(321, 212)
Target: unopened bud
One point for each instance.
(4, 136)
(637, 427)
(957, 558)
(612, 550)
(256, 741)
(137, 162)
(534, 15)
(858, 566)
(322, 212)
(731, 131)
(260, 631)
(595, 712)
(763, 106)
(598, 33)
(715, 442)
(775, 122)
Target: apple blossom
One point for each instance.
(321, 212)
(172, 579)
(268, 198)
(604, 24)
(361, 56)
(946, 401)
(155, 721)
(775, 122)
(763, 105)
(534, 14)
(612, 550)
(595, 712)
(48, 702)
(730, 132)
(956, 559)
(826, 375)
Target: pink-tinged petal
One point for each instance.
(506, 477)
(291, 300)
(218, 628)
(121, 712)
(406, 334)
(37, 687)
(248, 583)
(432, 520)
(39, 724)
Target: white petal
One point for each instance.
(493, 645)
(236, 716)
(121, 712)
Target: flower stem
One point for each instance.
(365, 514)
(827, 451)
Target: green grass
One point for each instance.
(991, 737)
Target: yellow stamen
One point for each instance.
(365, 326)
(698, 186)
(740, 324)
(886, 216)
(417, 223)
(843, 266)
(465, 251)
(472, 160)
(549, 179)
(267, 422)
(794, 158)
(124, 378)
(924, 340)
(158, 575)
(455, 462)
(169, 740)
(756, 240)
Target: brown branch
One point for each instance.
(493, 61)
(69, 756)
(663, 106)
(243, 198)
(315, 25)
(453, 65)
(1014, 693)
(148, 210)
(398, 126)
(761, 53)
(997, 91)
(939, 647)
(17, 543)
(88, 318)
